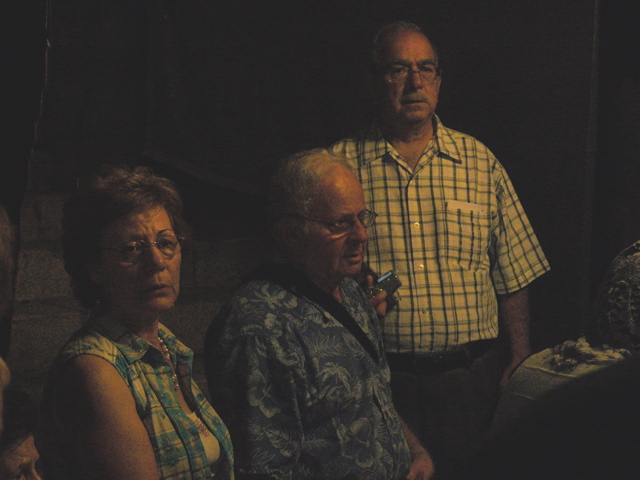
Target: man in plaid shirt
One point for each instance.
(452, 228)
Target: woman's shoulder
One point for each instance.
(87, 341)
(91, 371)
(86, 364)
(87, 352)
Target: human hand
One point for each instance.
(379, 301)
(422, 466)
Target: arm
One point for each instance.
(252, 381)
(108, 438)
(422, 467)
(514, 317)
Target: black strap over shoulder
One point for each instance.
(297, 283)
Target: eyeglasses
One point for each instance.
(346, 226)
(130, 253)
(399, 73)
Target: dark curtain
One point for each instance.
(219, 90)
(213, 93)
(617, 192)
(23, 70)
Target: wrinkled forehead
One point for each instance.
(398, 46)
(336, 180)
(152, 219)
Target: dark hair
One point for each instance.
(615, 319)
(19, 417)
(101, 198)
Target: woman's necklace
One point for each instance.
(167, 357)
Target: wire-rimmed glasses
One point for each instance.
(345, 226)
(129, 253)
(399, 73)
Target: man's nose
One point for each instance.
(359, 232)
(415, 79)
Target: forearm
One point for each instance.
(415, 447)
(422, 466)
(514, 318)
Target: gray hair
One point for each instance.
(292, 191)
(380, 38)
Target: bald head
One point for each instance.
(294, 187)
(382, 37)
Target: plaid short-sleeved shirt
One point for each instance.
(454, 231)
(175, 438)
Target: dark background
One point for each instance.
(212, 93)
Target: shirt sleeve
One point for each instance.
(516, 255)
(338, 148)
(256, 384)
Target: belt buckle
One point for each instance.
(440, 355)
(460, 356)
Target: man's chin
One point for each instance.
(162, 305)
(353, 267)
(415, 116)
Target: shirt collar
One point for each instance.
(132, 347)
(445, 143)
(442, 139)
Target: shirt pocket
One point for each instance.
(468, 227)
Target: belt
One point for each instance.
(440, 362)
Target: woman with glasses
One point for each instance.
(120, 401)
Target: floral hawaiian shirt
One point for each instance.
(300, 395)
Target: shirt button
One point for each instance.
(420, 267)
(416, 225)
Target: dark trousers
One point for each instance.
(448, 411)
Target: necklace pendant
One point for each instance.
(167, 357)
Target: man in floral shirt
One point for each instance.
(295, 363)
